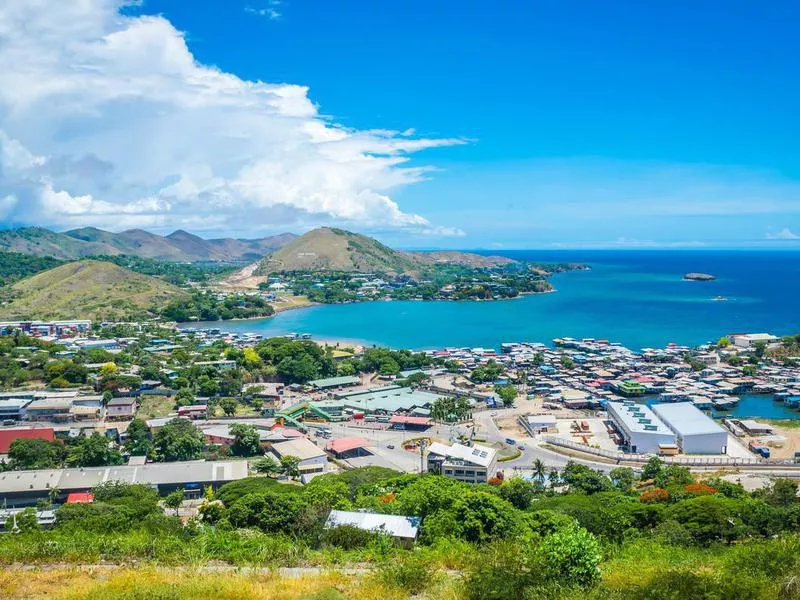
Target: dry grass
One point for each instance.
(150, 583)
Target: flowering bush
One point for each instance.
(654, 495)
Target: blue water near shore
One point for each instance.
(637, 298)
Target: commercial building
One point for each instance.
(335, 382)
(7, 436)
(471, 464)
(641, 430)
(13, 409)
(313, 459)
(401, 528)
(348, 447)
(26, 488)
(534, 424)
(696, 432)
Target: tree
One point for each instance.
(228, 406)
(708, 518)
(246, 440)
(566, 361)
(724, 342)
(138, 442)
(108, 369)
(539, 469)
(93, 451)
(35, 453)
(267, 466)
(584, 479)
(290, 466)
(622, 478)
(673, 475)
(26, 521)
(184, 397)
(450, 409)
(507, 393)
(174, 500)
(179, 439)
(783, 492)
(652, 468)
(518, 492)
(572, 554)
(207, 386)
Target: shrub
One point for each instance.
(572, 556)
(654, 495)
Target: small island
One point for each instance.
(698, 277)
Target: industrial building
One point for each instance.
(696, 432)
(641, 429)
(26, 488)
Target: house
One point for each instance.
(399, 527)
(313, 459)
(13, 408)
(749, 340)
(193, 411)
(49, 409)
(121, 408)
(470, 464)
(220, 365)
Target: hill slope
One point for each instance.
(87, 289)
(178, 246)
(331, 249)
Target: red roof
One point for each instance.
(403, 419)
(9, 435)
(346, 444)
(79, 498)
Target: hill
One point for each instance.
(87, 289)
(178, 246)
(466, 259)
(331, 249)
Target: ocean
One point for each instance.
(636, 297)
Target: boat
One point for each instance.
(720, 298)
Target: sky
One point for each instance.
(447, 124)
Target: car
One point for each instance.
(390, 446)
(494, 414)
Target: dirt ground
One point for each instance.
(784, 448)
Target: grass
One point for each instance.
(152, 407)
(785, 423)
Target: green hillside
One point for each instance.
(88, 289)
(331, 249)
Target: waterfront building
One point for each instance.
(641, 429)
(696, 432)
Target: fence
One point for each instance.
(688, 461)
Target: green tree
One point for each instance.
(174, 500)
(179, 439)
(652, 468)
(184, 397)
(673, 475)
(26, 521)
(290, 466)
(518, 492)
(93, 451)
(783, 492)
(139, 441)
(622, 478)
(572, 556)
(267, 466)
(507, 394)
(539, 469)
(246, 440)
(229, 406)
(35, 454)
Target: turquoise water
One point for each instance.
(637, 298)
(761, 406)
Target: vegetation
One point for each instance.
(593, 537)
(92, 289)
(207, 306)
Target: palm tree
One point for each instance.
(539, 469)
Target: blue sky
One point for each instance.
(512, 124)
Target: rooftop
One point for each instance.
(346, 444)
(686, 418)
(395, 525)
(302, 448)
(476, 454)
(638, 417)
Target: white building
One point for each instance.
(402, 528)
(470, 464)
(696, 432)
(749, 340)
(642, 431)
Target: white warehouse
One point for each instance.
(697, 433)
(642, 430)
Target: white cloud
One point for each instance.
(783, 234)
(108, 120)
(271, 10)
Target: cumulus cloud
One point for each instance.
(107, 119)
(783, 234)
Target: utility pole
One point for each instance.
(422, 445)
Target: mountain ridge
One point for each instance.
(180, 245)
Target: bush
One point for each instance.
(411, 574)
(346, 537)
(572, 556)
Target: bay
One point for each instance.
(636, 297)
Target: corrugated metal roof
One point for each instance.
(395, 525)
